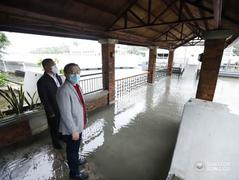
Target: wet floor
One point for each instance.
(130, 140)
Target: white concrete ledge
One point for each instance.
(207, 146)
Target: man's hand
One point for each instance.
(75, 136)
(52, 116)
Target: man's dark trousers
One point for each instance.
(72, 153)
(47, 89)
(53, 123)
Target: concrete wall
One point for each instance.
(96, 100)
(13, 133)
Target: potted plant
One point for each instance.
(24, 119)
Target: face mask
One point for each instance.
(74, 78)
(54, 69)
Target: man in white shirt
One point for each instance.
(47, 87)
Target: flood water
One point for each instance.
(133, 139)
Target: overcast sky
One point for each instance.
(21, 42)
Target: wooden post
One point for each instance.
(170, 62)
(211, 62)
(108, 67)
(152, 64)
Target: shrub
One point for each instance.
(15, 98)
(33, 100)
(2, 79)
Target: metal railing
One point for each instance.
(230, 68)
(93, 84)
(89, 82)
(225, 71)
(178, 71)
(160, 73)
(125, 85)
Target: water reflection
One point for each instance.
(93, 137)
(125, 118)
(43, 164)
(127, 108)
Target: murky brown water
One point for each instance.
(131, 140)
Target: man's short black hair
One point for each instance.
(46, 61)
(69, 66)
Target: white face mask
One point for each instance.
(54, 69)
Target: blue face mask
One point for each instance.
(74, 78)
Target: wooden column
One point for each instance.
(108, 67)
(211, 62)
(152, 64)
(170, 62)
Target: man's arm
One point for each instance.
(64, 104)
(42, 92)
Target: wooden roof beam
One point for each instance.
(163, 33)
(142, 21)
(170, 32)
(169, 40)
(170, 26)
(153, 29)
(12, 11)
(191, 37)
(175, 10)
(202, 13)
(201, 6)
(190, 14)
(32, 22)
(217, 11)
(197, 29)
(137, 17)
(125, 16)
(180, 9)
(181, 34)
(122, 13)
(164, 11)
(164, 23)
(149, 10)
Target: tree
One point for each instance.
(52, 50)
(137, 50)
(4, 42)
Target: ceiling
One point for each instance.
(163, 23)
